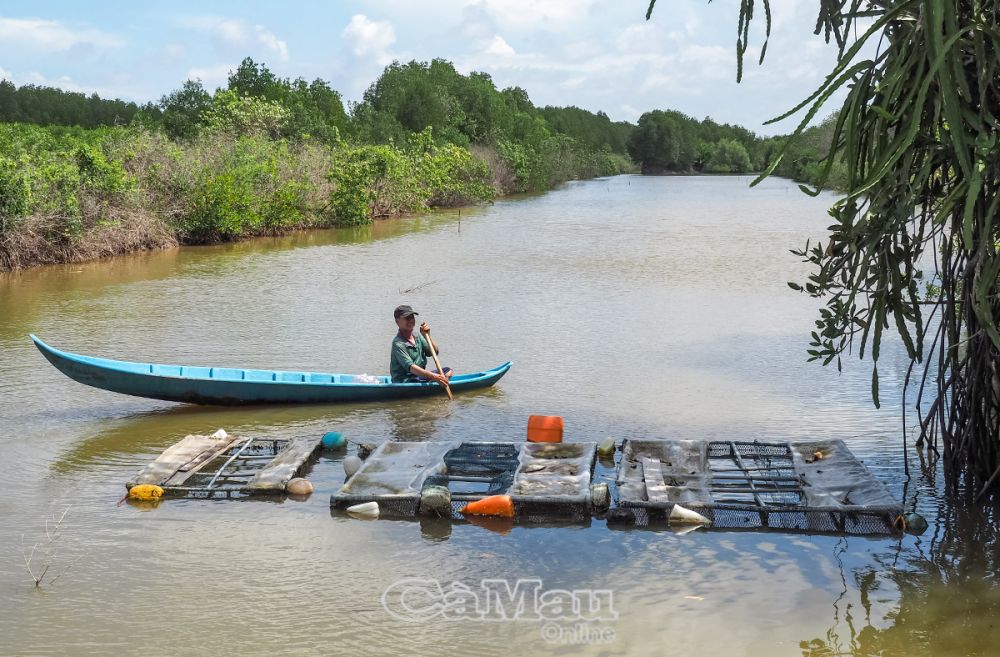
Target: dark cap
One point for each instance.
(403, 311)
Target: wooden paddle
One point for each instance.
(437, 363)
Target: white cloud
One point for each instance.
(582, 50)
(712, 61)
(641, 37)
(660, 82)
(499, 47)
(271, 42)
(109, 84)
(52, 36)
(596, 55)
(63, 82)
(785, 15)
(553, 15)
(232, 32)
(368, 38)
(236, 34)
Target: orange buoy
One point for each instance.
(494, 505)
(545, 429)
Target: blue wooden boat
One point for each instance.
(231, 386)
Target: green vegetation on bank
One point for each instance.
(805, 159)
(82, 177)
(68, 194)
(524, 149)
(266, 155)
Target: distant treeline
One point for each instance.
(670, 142)
(462, 110)
(48, 106)
(465, 110)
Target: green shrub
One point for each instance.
(452, 177)
(222, 207)
(100, 174)
(56, 189)
(373, 181)
(287, 205)
(240, 188)
(15, 192)
(728, 156)
(381, 181)
(246, 115)
(526, 163)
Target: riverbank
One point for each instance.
(71, 195)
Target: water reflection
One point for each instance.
(145, 433)
(26, 294)
(139, 434)
(435, 530)
(411, 422)
(933, 595)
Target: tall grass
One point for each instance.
(70, 194)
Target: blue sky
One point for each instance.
(595, 54)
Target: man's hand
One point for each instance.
(426, 330)
(441, 378)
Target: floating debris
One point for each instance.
(364, 510)
(600, 496)
(681, 516)
(333, 440)
(436, 501)
(299, 486)
(352, 464)
(145, 492)
(911, 523)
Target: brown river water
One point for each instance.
(633, 307)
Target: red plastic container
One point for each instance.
(545, 429)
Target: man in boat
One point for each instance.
(410, 349)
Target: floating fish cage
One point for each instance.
(811, 486)
(546, 481)
(227, 466)
(814, 486)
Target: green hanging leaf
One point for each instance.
(875, 398)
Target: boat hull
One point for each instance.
(236, 387)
